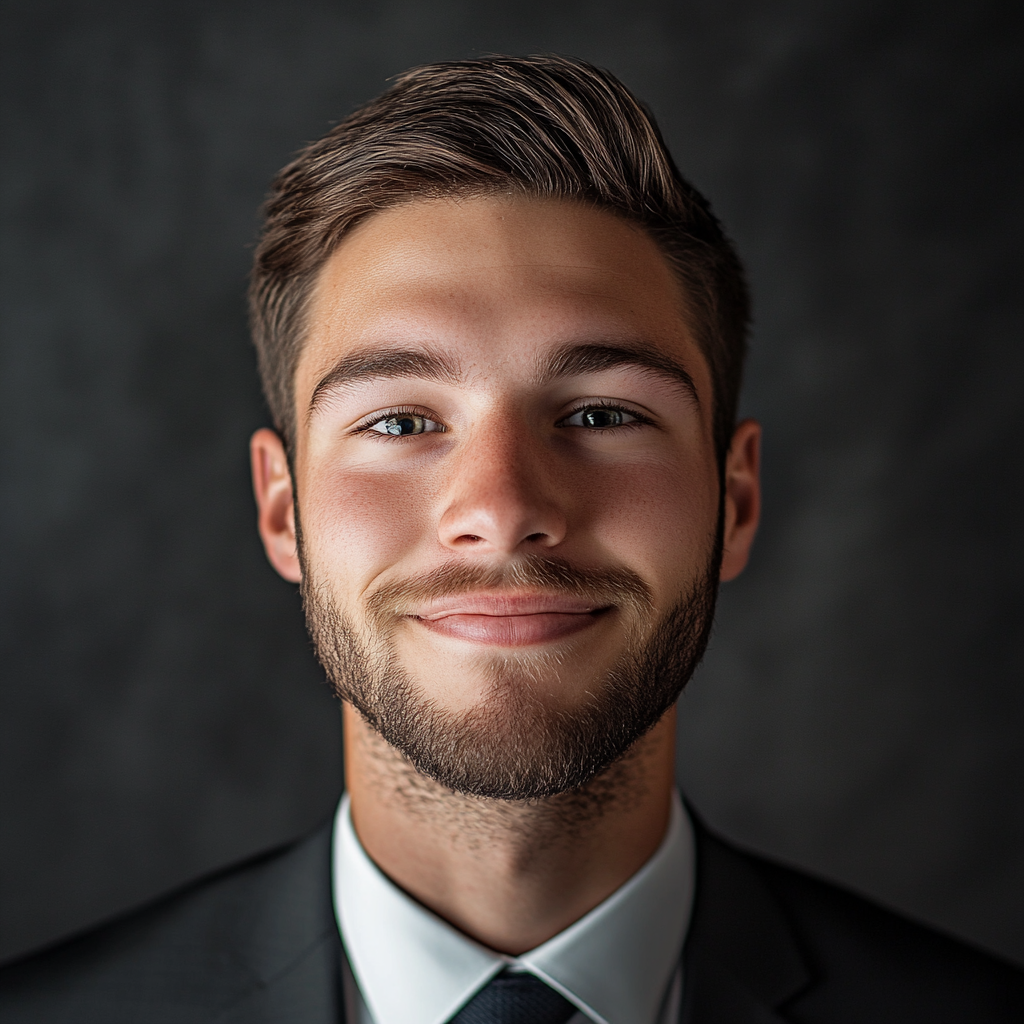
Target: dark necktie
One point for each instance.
(515, 999)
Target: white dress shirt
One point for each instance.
(618, 964)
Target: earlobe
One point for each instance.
(742, 485)
(275, 501)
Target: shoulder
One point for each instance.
(813, 951)
(878, 965)
(194, 955)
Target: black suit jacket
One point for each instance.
(258, 943)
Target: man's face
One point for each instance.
(507, 487)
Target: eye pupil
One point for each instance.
(403, 424)
(602, 418)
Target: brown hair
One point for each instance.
(546, 126)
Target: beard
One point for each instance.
(513, 745)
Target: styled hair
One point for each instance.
(542, 126)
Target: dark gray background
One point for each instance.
(860, 711)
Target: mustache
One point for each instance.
(613, 586)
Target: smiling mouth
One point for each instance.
(510, 620)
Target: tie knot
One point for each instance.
(515, 999)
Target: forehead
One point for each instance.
(498, 280)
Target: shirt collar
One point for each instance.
(615, 963)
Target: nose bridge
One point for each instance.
(500, 497)
(506, 454)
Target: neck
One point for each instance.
(509, 875)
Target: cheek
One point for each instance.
(658, 519)
(356, 525)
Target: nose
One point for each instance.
(501, 497)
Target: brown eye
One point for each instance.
(602, 418)
(404, 425)
(598, 417)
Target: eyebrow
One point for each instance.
(427, 364)
(376, 364)
(575, 360)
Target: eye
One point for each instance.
(600, 417)
(403, 424)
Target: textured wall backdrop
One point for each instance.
(861, 709)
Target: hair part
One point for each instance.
(545, 126)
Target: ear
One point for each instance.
(742, 498)
(275, 499)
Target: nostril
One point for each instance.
(536, 536)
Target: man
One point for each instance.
(501, 339)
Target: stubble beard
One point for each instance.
(514, 746)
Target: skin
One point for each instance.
(497, 286)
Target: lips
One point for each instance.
(509, 620)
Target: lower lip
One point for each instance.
(512, 630)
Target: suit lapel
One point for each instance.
(307, 990)
(741, 961)
(289, 945)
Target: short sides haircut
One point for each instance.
(546, 127)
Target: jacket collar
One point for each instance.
(741, 961)
(285, 939)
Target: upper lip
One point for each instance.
(506, 604)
